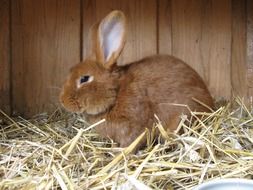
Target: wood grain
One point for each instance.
(186, 33)
(141, 29)
(164, 27)
(238, 56)
(4, 56)
(216, 46)
(201, 36)
(250, 49)
(46, 43)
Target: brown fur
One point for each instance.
(129, 96)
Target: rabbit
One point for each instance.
(128, 95)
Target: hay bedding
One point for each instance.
(61, 151)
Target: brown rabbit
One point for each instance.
(128, 95)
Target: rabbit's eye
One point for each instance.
(84, 79)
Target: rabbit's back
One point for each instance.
(167, 84)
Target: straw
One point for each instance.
(60, 151)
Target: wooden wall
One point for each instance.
(45, 43)
(40, 40)
(5, 65)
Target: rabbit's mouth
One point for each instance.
(72, 107)
(70, 103)
(95, 111)
(99, 107)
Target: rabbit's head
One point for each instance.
(92, 85)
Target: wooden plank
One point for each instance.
(186, 33)
(216, 46)
(238, 57)
(4, 56)
(250, 49)
(141, 31)
(46, 43)
(201, 36)
(164, 27)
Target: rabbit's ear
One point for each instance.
(111, 38)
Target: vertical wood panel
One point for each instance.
(201, 36)
(4, 56)
(186, 32)
(238, 57)
(46, 42)
(216, 45)
(141, 31)
(250, 48)
(164, 27)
